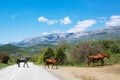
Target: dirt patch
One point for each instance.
(111, 72)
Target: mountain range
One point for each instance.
(108, 33)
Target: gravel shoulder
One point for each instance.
(111, 72)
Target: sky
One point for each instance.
(21, 19)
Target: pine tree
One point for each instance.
(61, 55)
(49, 53)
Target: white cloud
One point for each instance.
(66, 20)
(45, 33)
(45, 20)
(114, 21)
(82, 25)
(115, 17)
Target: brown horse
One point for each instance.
(52, 62)
(97, 57)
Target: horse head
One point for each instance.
(107, 55)
(57, 59)
(28, 58)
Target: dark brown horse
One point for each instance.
(23, 59)
(51, 62)
(97, 57)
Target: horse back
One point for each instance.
(96, 57)
(50, 61)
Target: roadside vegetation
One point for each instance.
(76, 55)
(7, 59)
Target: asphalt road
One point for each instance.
(32, 73)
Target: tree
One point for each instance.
(61, 55)
(49, 53)
(4, 58)
(40, 59)
(63, 45)
(80, 53)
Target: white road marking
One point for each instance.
(12, 77)
(32, 73)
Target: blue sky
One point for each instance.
(21, 19)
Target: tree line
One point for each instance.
(71, 54)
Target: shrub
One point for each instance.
(82, 50)
(4, 58)
(49, 53)
(61, 55)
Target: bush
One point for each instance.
(61, 55)
(115, 48)
(40, 59)
(4, 58)
(82, 50)
(49, 53)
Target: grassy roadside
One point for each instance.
(5, 65)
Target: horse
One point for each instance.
(52, 62)
(97, 57)
(23, 59)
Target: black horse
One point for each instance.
(23, 59)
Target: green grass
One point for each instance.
(5, 65)
(115, 59)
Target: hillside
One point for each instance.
(109, 33)
(34, 45)
(8, 48)
(12, 49)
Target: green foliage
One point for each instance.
(63, 45)
(115, 58)
(40, 59)
(5, 65)
(80, 52)
(49, 53)
(4, 58)
(61, 55)
(115, 48)
(8, 48)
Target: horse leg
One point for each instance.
(27, 64)
(52, 66)
(48, 66)
(102, 62)
(45, 65)
(18, 64)
(56, 66)
(93, 63)
(24, 64)
(89, 62)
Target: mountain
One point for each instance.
(8, 48)
(107, 33)
(1, 44)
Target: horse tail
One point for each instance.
(44, 59)
(87, 56)
(17, 61)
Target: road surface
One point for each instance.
(32, 73)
